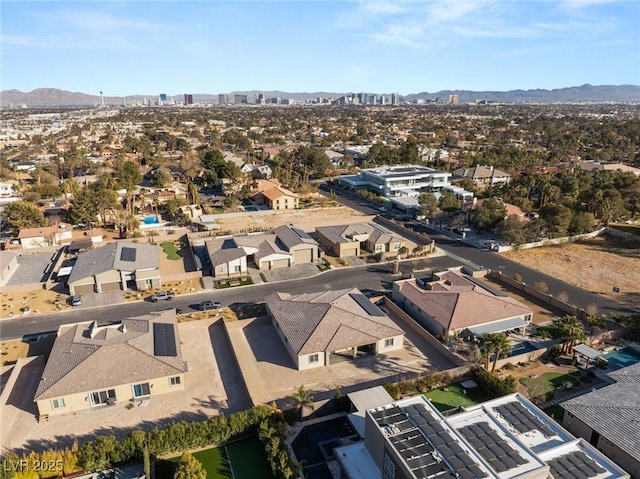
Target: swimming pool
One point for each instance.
(521, 348)
(622, 358)
(151, 220)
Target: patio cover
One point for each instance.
(497, 326)
(369, 398)
(587, 351)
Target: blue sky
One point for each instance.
(140, 47)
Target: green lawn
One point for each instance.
(455, 396)
(547, 383)
(257, 466)
(170, 250)
(214, 460)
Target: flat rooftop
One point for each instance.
(403, 171)
(504, 438)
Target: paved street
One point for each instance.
(373, 277)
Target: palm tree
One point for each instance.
(486, 344)
(501, 345)
(572, 330)
(302, 398)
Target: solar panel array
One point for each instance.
(301, 233)
(367, 305)
(128, 254)
(164, 340)
(575, 465)
(493, 449)
(522, 419)
(425, 445)
(446, 445)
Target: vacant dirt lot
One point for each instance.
(306, 219)
(594, 265)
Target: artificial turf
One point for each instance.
(214, 460)
(170, 250)
(455, 396)
(248, 459)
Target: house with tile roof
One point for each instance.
(116, 266)
(272, 194)
(609, 418)
(449, 303)
(352, 239)
(92, 366)
(484, 175)
(285, 246)
(319, 329)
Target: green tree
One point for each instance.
(83, 207)
(486, 343)
(428, 205)
(302, 399)
(449, 203)
(189, 468)
(513, 230)
(487, 215)
(571, 329)
(582, 222)
(501, 345)
(23, 214)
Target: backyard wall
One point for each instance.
(237, 361)
(548, 242)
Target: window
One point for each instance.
(314, 358)
(175, 381)
(140, 390)
(102, 397)
(237, 269)
(379, 247)
(57, 403)
(396, 246)
(388, 342)
(389, 466)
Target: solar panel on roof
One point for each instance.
(164, 340)
(477, 472)
(487, 443)
(367, 305)
(128, 254)
(302, 234)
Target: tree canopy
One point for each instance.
(23, 214)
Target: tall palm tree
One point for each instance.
(501, 345)
(302, 398)
(486, 343)
(572, 330)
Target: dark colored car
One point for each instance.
(207, 305)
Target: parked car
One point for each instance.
(207, 305)
(162, 295)
(76, 300)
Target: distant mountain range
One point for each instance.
(52, 97)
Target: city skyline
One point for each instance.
(128, 48)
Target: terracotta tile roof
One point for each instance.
(461, 306)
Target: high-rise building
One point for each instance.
(240, 99)
(188, 99)
(223, 99)
(453, 99)
(163, 97)
(395, 99)
(259, 99)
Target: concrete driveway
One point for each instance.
(270, 374)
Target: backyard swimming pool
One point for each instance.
(521, 348)
(622, 358)
(151, 220)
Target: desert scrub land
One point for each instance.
(595, 265)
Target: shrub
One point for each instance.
(517, 277)
(554, 351)
(392, 389)
(495, 384)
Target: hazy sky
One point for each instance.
(140, 47)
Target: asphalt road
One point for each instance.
(479, 258)
(370, 277)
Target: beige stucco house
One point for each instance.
(93, 366)
(116, 266)
(274, 195)
(351, 240)
(45, 236)
(320, 328)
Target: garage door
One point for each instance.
(110, 286)
(350, 252)
(280, 263)
(83, 288)
(302, 256)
